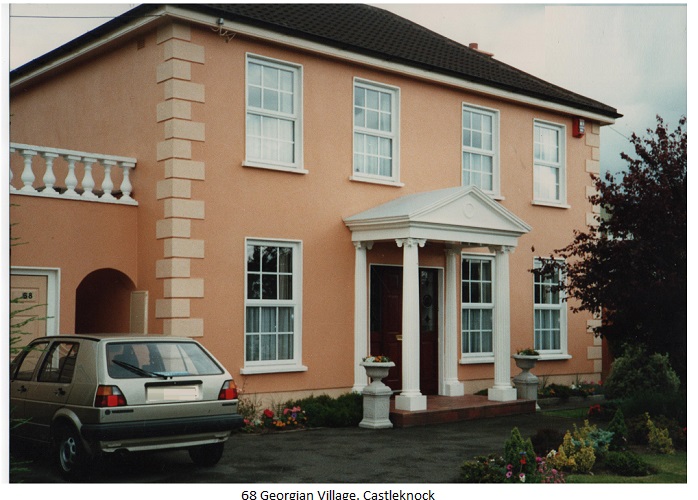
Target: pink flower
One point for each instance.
(522, 477)
(508, 474)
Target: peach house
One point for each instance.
(300, 186)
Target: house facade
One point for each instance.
(301, 186)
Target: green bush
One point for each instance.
(620, 431)
(481, 469)
(638, 372)
(658, 438)
(545, 440)
(324, 411)
(627, 463)
(671, 405)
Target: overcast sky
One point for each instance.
(630, 56)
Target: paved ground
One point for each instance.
(430, 454)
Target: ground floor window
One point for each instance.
(477, 306)
(549, 312)
(272, 303)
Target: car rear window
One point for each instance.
(149, 359)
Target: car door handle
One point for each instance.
(60, 392)
(21, 388)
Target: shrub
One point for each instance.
(620, 431)
(658, 438)
(637, 372)
(324, 411)
(579, 450)
(656, 403)
(519, 453)
(481, 469)
(627, 463)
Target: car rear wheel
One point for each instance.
(206, 455)
(70, 453)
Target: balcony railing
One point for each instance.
(68, 174)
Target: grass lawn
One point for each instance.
(672, 469)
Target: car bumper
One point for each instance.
(149, 429)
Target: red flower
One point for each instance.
(268, 413)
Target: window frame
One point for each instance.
(277, 365)
(297, 165)
(481, 356)
(494, 153)
(560, 165)
(560, 306)
(394, 135)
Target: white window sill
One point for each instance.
(551, 204)
(256, 370)
(475, 360)
(554, 357)
(370, 180)
(279, 168)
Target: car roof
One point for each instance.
(104, 337)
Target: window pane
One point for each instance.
(268, 347)
(268, 319)
(359, 96)
(252, 320)
(286, 81)
(285, 346)
(372, 119)
(254, 95)
(254, 74)
(252, 348)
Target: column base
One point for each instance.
(501, 394)
(454, 388)
(411, 402)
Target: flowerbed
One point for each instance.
(285, 418)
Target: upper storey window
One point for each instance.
(274, 132)
(549, 163)
(480, 141)
(376, 112)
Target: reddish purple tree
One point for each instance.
(633, 265)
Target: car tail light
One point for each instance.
(229, 390)
(108, 396)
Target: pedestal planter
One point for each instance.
(526, 383)
(377, 397)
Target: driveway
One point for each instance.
(430, 454)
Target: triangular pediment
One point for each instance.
(461, 214)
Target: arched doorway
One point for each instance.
(102, 302)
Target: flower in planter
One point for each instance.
(377, 359)
(528, 352)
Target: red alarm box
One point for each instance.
(578, 127)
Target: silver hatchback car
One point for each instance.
(89, 395)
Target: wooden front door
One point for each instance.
(386, 324)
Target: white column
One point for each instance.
(502, 390)
(451, 385)
(360, 313)
(411, 398)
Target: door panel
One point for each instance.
(31, 291)
(428, 331)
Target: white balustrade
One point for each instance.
(68, 163)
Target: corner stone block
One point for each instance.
(184, 288)
(174, 148)
(181, 247)
(184, 50)
(173, 30)
(174, 68)
(174, 108)
(184, 209)
(184, 327)
(593, 140)
(172, 308)
(593, 166)
(173, 188)
(187, 91)
(185, 169)
(173, 268)
(173, 228)
(182, 129)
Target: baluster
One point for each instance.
(49, 176)
(88, 183)
(126, 183)
(71, 180)
(12, 188)
(27, 174)
(107, 184)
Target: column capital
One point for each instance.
(453, 250)
(410, 242)
(366, 245)
(502, 249)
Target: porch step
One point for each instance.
(443, 409)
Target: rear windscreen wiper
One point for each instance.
(136, 370)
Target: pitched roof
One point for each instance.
(373, 32)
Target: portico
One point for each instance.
(457, 218)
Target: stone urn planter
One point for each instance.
(526, 382)
(377, 396)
